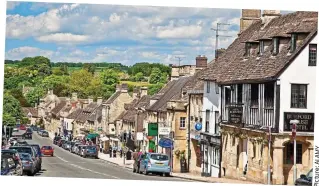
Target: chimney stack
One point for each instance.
(143, 91)
(90, 99)
(248, 16)
(74, 96)
(268, 15)
(135, 93)
(124, 88)
(201, 61)
(99, 100)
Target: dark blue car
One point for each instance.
(39, 154)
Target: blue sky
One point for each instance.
(111, 33)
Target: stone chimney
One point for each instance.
(248, 16)
(90, 100)
(201, 61)
(143, 91)
(75, 96)
(136, 93)
(118, 87)
(268, 15)
(99, 100)
(124, 88)
(68, 101)
(50, 92)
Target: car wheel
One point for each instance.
(134, 170)
(52, 155)
(167, 174)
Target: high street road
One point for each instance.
(66, 164)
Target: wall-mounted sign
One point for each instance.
(235, 115)
(198, 126)
(152, 129)
(164, 131)
(139, 136)
(306, 121)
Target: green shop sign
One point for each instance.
(152, 129)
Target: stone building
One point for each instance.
(32, 114)
(259, 90)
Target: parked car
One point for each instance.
(67, 145)
(155, 163)
(38, 151)
(74, 147)
(56, 140)
(16, 158)
(8, 167)
(90, 151)
(44, 134)
(21, 143)
(305, 179)
(79, 149)
(82, 150)
(29, 166)
(30, 150)
(28, 134)
(137, 161)
(47, 150)
(61, 142)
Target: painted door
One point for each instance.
(215, 161)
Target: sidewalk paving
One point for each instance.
(190, 176)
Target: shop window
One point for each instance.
(289, 153)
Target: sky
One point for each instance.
(115, 33)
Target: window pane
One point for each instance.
(298, 96)
(312, 55)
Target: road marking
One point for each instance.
(61, 158)
(82, 168)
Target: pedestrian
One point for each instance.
(101, 147)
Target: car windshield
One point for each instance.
(47, 147)
(36, 147)
(309, 175)
(25, 156)
(29, 130)
(159, 157)
(22, 149)
(22, 142)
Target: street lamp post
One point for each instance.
(294, 131)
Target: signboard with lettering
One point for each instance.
(164, 131)
(306, 121)
(235, 115)
(152, 129)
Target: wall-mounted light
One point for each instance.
(278, 82)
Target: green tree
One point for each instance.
(153, 89)
(11, 109)
(89, 67)
(109, 77)
(139, 76)
(56, 83)
(17, 93)
(34, 95)
(156, 76)
(80, 80)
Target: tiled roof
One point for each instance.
(75, 114)
(113, 97)
(27, 110)
(163, 90)
(232, 66)
(174, 89)
(130, 113)
(97, 114)
(86, 112)
(58, 108)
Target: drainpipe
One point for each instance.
(189, 133)
(157, 120)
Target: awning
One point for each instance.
(165, 143)
(104, 138)
(92, 136)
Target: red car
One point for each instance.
(47, 150)
(23, 127)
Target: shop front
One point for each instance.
(210, 151)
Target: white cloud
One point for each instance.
(180, 32)
(12, 4)
(27, 51)
(63, 38)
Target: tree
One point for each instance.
(56, 83)
(156, 76)
(139, 76)
(89, 67)
(17, 93)
(153, 89)
(34, 95)
(80, 80)
(40, 64)
(11, 109)
(110, 77)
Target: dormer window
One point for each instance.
(247, 49)
(261, 47)
(293, 43)
(276, 46)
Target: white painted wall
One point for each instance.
(300, 73)
(211, 101)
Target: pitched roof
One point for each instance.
(113, 97)
(74, 114)
(232, 66)
(58, 108)
(86, 112)
(97, 114)
(27, 110)
(174, 89)
(130, 112)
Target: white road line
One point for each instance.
(82, 168)
(61, 158)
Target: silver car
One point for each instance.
(75, 147)
(28, 164)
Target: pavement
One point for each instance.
(66, 164)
